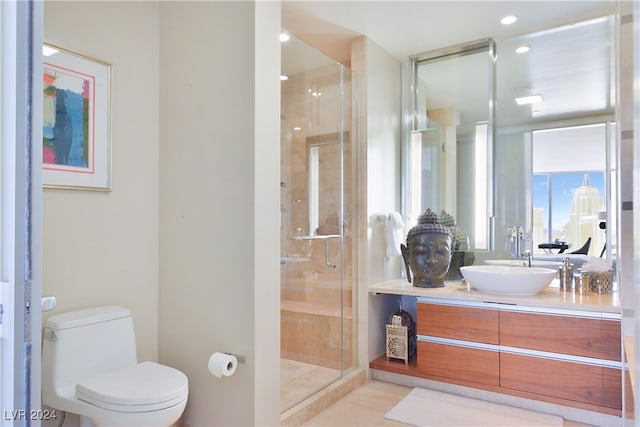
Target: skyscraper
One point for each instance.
(583, 218)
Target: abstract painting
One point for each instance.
(76, 152)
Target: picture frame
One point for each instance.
(76, 137)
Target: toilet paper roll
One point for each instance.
(222, 364)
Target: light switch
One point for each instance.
(48, 303)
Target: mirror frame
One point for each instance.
(412, 124)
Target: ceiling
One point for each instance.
(404, 28)
(569, 61)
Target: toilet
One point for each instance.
(90, 368)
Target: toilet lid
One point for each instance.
(142, 387)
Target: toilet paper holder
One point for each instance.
(240, 359)
(223, 364)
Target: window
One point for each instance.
(566, 208)
(569, 186)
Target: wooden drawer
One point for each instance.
(561, 379)
(455, 322)
(552, 333)
(612, 388)
(612, 340)
(468, 365)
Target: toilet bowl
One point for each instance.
(90, 368)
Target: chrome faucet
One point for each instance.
(516, 237)
(529, 257)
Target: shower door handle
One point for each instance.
(327, 256)
(326, 238)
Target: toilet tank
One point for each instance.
(81, 344)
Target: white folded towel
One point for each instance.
(596, 265)
(394, 230)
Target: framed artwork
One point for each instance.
(76, 140)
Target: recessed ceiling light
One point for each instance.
(284, 78)
(523, 49)
(297, 128)
(508, 20)
(284, 37)
(530, 99)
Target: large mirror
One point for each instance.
(449, 152)
(555, 160)
(550, 140)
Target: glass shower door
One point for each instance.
(316, 320)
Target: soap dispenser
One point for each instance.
(565, 274)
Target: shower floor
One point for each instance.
(299, 380)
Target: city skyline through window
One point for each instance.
(569, 186)
(571, 202)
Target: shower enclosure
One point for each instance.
(318, 263)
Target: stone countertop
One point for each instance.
(549, 297)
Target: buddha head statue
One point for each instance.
(427, 253)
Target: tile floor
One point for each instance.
(300, 380)
(367, 405)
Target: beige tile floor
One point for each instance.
(300, 380)
(367, 405)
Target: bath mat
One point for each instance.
(424, 407)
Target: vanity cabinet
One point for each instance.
(565, 334)
(475, 324)
(458, 343)
(567, 357)
(465, 365)
(562, 379)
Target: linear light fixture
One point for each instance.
(415, 181)
(530, 99)
(314, 188)
(481, 186)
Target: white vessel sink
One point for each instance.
(525, 263)
(507, 279)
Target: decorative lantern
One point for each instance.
(401, 336)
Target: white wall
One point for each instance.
(513, 172)
(102, 248)
(266, 234)
(626, 245)
(381, 99)
(195, 113)
(220, 205)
